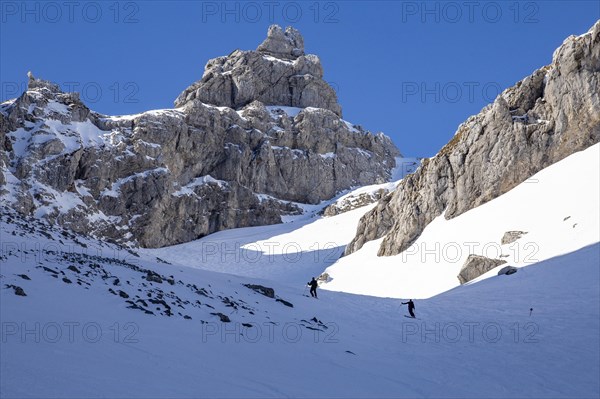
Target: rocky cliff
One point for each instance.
(259, 132)
(541, 120)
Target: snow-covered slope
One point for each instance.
(558, 208)
(98, 320)
(481, 340)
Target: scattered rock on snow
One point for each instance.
(18, 290)
(508, 270)
(512, 236)
(74, 269)
(152, 276)
(286, 303)
(224, 318)
(266, 291)
(475, 266)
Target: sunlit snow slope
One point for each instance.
(558, 208)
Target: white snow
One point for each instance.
(328, 155)
(274, 59)
(57, 107)
(290, 111)
(350, 126)
(532, 334)
(188, 189)
(114, 190)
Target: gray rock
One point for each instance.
(507, 270)
(512, 236)
(277, 73)
(352, 202)
(151, 276)
(223, 317)
(475, 266)
(18, 290)
(286, 303)
(288, 44)
(266, 291)
(499, 148)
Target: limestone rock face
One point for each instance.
(539, 121)
(277, 73)
(170, 176)
(512, 236)
(282, 44)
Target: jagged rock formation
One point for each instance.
(475, 266)
(351, 202)
(511, 236)
(277, 73)
(541, 120)
(217, 161)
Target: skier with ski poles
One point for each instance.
(313, 287)
(411, 307)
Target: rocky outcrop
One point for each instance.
(512, 236)
(351, 202)
(541, 120)
(277, 73)
(475, 266)
(170, 176)
(266, 291)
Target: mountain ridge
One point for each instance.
(542, 119)
(170, 176)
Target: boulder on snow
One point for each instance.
(512, 236)
(508, 270)
(152, 276)
(18, 290)
(475, 266)
(73, 269)
(286, 303)
(224, 318)
(266, 291)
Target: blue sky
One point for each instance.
(412, 69)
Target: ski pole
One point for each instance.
(304, 292)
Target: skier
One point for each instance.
(411, 307)
(313, 287)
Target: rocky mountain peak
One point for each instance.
(276, 73)
(35, 83)
(258, 133)
(280, 43)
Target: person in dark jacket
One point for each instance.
(411, 307)
(313, 287)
